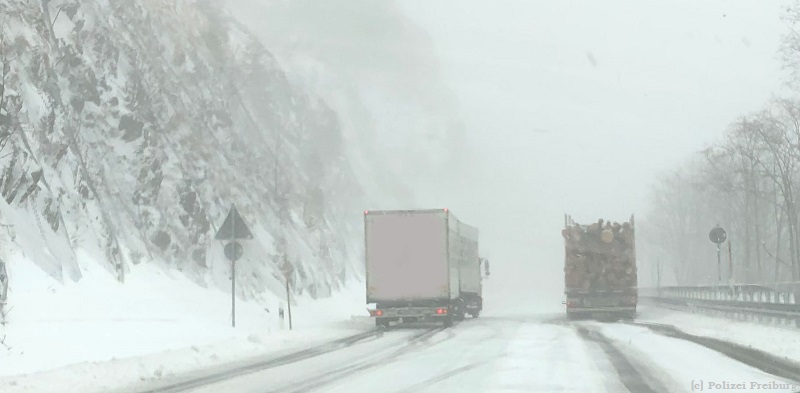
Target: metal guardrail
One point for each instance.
(746, 299)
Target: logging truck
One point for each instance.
(600, 278)
(421, 265)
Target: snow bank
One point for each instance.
(776, 340)
(697, 365)
(53, 325)
(171, 366)
(101, 333)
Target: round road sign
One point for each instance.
(234, 251)
(287, 269)
(717, 235)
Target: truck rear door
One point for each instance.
(406, 256)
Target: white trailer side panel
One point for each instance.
(454, 244)
(469, 260)
(406, 255)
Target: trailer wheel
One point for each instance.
(629, 315)
(476, 314)
(571, 316)
(448, 321)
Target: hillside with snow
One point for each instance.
(127, 131)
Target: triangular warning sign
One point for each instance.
(234, 227)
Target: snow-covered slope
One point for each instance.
(157, 309)
(127, 131)
(129, 128)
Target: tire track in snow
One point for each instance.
(761, 360)
(428, 383)
(420, 340)
(266, 364)
(487, 332)
(423, 350)
(631, 377)
(544, 357)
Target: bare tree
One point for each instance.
(778, 135)
(748, 183)
(790, 44)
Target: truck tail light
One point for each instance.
(572, 303)
(441, 311)
(375, 313)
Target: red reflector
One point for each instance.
(378, 312)
(441, 311)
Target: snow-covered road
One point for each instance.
(513, 354)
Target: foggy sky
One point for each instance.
(669, 77)
(577, 107)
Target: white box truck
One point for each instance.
(421, 265)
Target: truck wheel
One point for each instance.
(571, 316)
(448, 321)
(381, 323)
(476, 314)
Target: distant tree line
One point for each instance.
(748, 182)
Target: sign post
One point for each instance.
(658, 273)
(287, 269)
(288, 303)
(730, 264)
(231, 230)
(718, 236)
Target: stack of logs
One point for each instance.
(600, 256)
